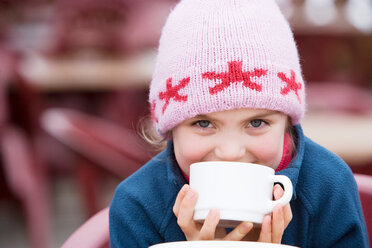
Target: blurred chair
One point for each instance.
(118, 150)
(108, 26)
(332, 109)
(365, 192)
(22, 178)
(100, 144)
(6, 65)
(87, 25)
(21, 163)
(94, 233)
(338, 97)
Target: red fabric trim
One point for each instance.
(185, 176)
(287, 153)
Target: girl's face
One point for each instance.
(242, 135)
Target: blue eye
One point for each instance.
(203, 123)
(256, 123)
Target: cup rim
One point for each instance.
(220, 243)
(234, 163)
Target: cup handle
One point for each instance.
(288, 191)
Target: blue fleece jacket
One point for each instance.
(325, 204)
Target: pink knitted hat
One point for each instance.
(217, 55)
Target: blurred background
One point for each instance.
(74, 78)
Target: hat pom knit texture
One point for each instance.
(217, 55)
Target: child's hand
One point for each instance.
(273, 226)
(184, 210)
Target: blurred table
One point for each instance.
(88, 73)
(103, 97)
(348, 135)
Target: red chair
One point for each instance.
(338, 97)
(342, 98)
(26, 184)
(118, 150)
(108, 26)
(21, 163)
(365, 192)
(94, 233)
(100, 144)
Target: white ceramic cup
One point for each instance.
(219, 244)
(240, 191)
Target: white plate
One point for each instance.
(219, 244)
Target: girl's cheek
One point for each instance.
(194, 151)
(268, 152)
(188, 151)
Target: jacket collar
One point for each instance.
(293, 169)
(175, 176)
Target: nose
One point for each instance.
(230, 149)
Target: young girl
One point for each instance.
(228, 86)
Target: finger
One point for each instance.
(278, 192)
(185, 215)
(180, 196)
(277, 224)
(240, 231)
(208, 229)
(265, 235)
(287, 212)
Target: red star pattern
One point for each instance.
(292, 85)
(172, 92)
(234, 75)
